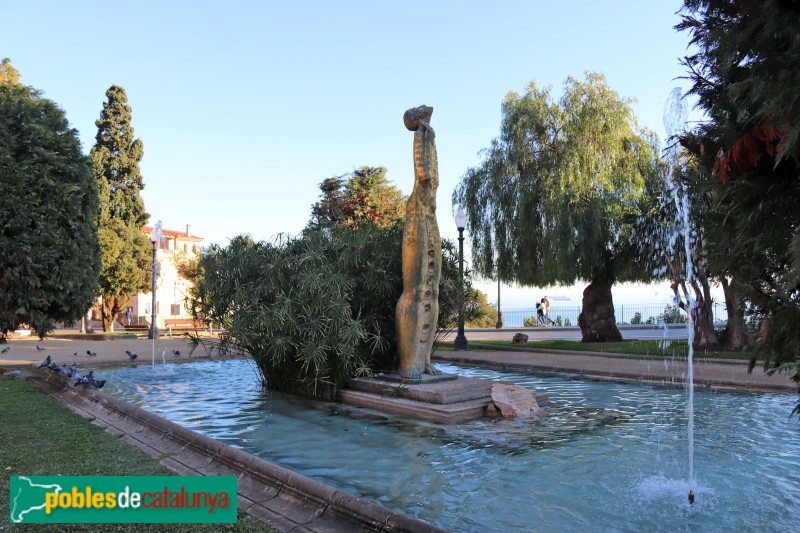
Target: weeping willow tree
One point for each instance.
(552, 199)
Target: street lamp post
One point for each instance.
(461, 222)
(499, 324)
(155, 237)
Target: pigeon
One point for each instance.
(5, 350)
(39, 348)
(45, 363)
(74, 368)
(98, 383)
(91, 353)
(85, 380)
(75, 354)
(132, 355)
(176, 352)
(14, 374)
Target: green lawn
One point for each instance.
(649, 348)
(39, 437)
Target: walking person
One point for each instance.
(540, 312)
(546, 305)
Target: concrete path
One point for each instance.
(24, 351)
(642, 332)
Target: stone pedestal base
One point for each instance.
(443, 398)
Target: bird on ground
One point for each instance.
(132, 355)
(98, 383)
(5, 350)
(14, 374)
(39, 348)
(74, 368)
(176, 352)
(46, 362)
(75, 354)
(90, 353)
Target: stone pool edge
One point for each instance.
(284, 499)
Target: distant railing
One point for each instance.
(625, 314)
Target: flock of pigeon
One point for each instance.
(72, 371)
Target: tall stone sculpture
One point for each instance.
(417, 311)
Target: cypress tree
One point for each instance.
(125, 250)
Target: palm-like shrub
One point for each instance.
(315, 310)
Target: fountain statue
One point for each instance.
(418, 388)
(417, 310)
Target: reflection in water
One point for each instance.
(608, 457)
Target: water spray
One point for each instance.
(675, 115)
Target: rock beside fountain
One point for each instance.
(512, 401)
(519, 338)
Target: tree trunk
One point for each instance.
(705, 336)
(597, 320)
(736, 336)
(109, 309)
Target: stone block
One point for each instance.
(514, 401)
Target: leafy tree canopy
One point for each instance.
(363, 195)
(487, 313)
(549, 203)
(552, 201)
(746, 77)
(48, 204)
(8, 74)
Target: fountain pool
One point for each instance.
(609, 457)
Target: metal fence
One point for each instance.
(625, 314)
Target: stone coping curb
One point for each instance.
(284, 499)
(614, 355)
(606, 375)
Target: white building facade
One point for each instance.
(172, 290)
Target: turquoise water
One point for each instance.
(608, 457)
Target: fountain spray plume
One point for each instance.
(675, 115)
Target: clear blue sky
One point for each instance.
(244, 107)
